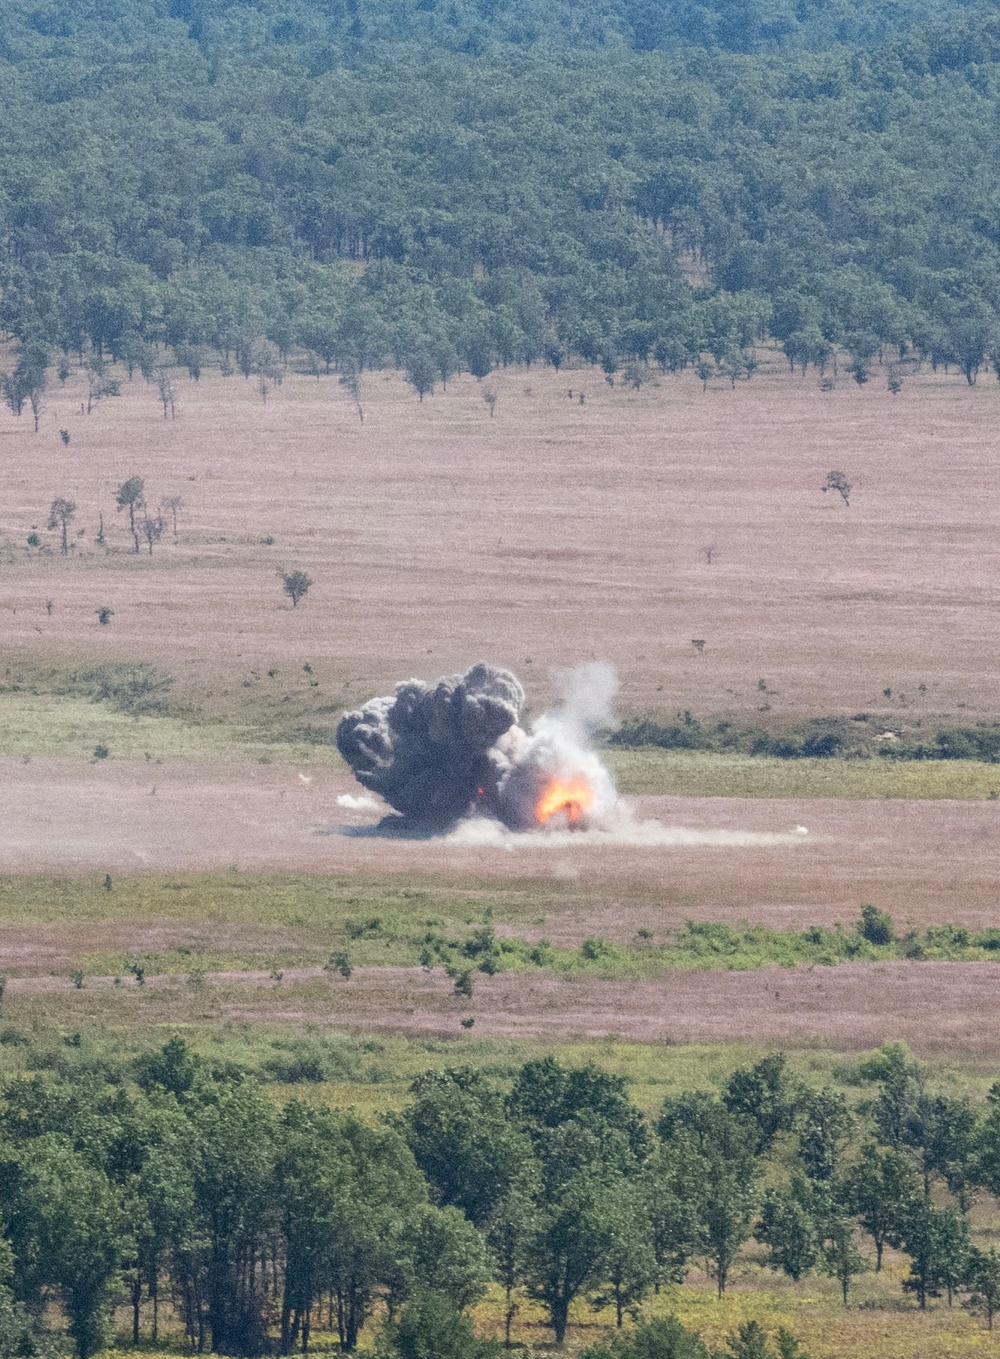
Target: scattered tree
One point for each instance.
(172, 503)
(60, 516)
(837, 481)
(295, 585)
(129, 497)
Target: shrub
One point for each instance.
(876, 926)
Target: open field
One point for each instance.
(552, 534)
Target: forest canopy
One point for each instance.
(474, 184)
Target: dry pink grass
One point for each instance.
(549, 535)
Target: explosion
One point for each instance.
(439, 754)
(569, 800)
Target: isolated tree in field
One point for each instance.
(295, 585)
(165, 387)
(129, 497)
(266, 364)
(837, 481)
(350, 378)
(172, 503)
(100, 383)
(60, 516)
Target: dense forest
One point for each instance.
(459, 184)
(178, 1185)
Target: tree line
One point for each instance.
(180, 1187)
(344, 180)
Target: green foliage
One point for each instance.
(431, 1327)
(661, 1338)
(876, 926)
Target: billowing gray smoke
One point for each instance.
(440, 753)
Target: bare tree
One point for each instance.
(266, 363)
(165, 387)
(151, 527)
(351, 379)
(172, 503)
(60, 515)
(99, 382)
(490, 397)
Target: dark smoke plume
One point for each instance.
(443, 753)
(438, 753)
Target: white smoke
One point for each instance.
(357, 804)
(559, 748)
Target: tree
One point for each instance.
(421, 373)
(232, 1159)
(463, 1142)
(841, 1257)
(788, 1229)
(165, 387)
(66, 1218)
(265, 362)
(447, 1255)
(878, 1190)
(983, 1278)
(27, 382)
(350, 378)
(510, 1235)
(172, 503)
(60, 516)
(825, 1127)
(672, 1219)
(430, 1327)
(876, 926)
(766, 1094)
(661, 1338)
(630, 1265)
(837, 481)
(937, 1242)
(151, 527)
(295, 585)
(571, 1249)
(129, 497)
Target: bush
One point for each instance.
(664, 1338)
(429, 1327)
(876, 926)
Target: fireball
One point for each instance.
(571, 799)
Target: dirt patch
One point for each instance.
(924, 861)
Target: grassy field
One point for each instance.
(703, 774)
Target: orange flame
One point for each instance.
(572, 799)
